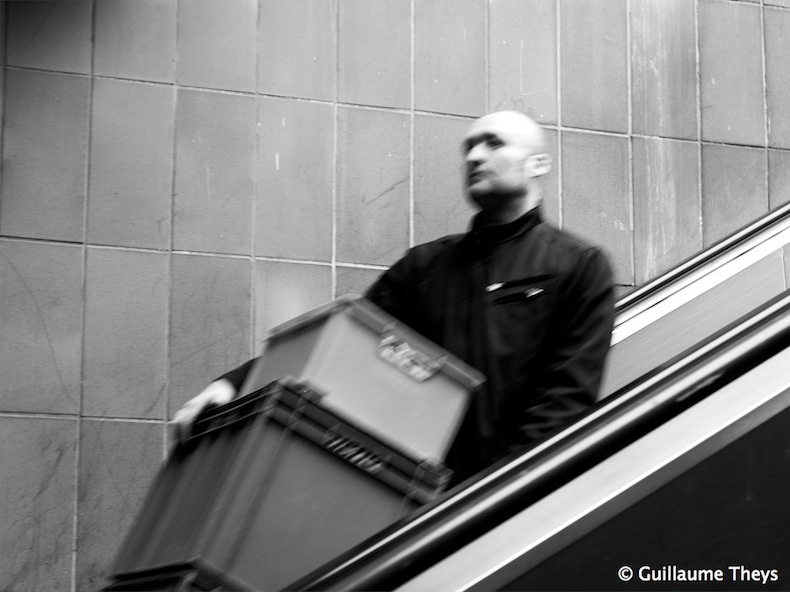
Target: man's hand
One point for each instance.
(218, 392)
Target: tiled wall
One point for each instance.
(180, 175)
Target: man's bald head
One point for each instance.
(504, 153)
(517, 126)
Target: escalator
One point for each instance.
(699, 297)
(696, 374)
(697, 503)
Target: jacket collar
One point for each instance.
(495, 234)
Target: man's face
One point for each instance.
(498, 151)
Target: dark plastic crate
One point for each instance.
(269, 488)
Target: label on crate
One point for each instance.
(354, 453)
(407, 359)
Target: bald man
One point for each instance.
(527, 304)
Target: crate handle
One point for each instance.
(406, 358)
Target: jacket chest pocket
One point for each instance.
(529, 295)
(520, 312)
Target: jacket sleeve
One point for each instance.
(574, 358)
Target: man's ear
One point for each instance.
(538, 164)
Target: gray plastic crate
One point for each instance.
(387, 377)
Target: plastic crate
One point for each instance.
(389, 378)
(269, 488)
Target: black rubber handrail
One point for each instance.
(408, 548)
(730, 245)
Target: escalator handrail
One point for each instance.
(728, 248)
(404, 550)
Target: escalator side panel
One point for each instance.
(685, 326)
(514, 548)
(727, 514)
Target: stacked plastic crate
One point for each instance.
(340, 431)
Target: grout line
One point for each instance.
(165, 405)
(171, 252)
(630, 127)
(299, 261)
(114, 419)
(210, 254)
(559, 127)
(39, 415)
(487, 61)
(236, 256)
(335, 156)
(412, 118)
(364, 266)
(86, 186)
(46, 70)
(76, 417)
(256, 190)
(3, 90)
(700, 143)
(75, 523)
(766, 115)
(11, 237)
(100, 247)
(381, 108)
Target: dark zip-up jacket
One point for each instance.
(525, 303)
